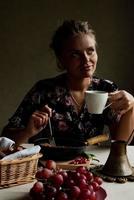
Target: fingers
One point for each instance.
(122, 101)
(40, 119)
(47, 110)
(117, 95)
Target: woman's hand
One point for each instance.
(122, 101)
(38, 120)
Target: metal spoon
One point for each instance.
(51, 138)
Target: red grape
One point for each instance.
(93, 196)
(38, 187)
(69, 182)
(51, 164)
(85, 193)
(62, 196)
(82, 176)
(79, 160)
(58, 184)
(74, 192)
(39, 175)
(81, 169)
(50, 191)
(57, 180)
(90, 187)
(95, 185)
(82, 183)
(98, 180)
(89, 175)
(46, 173)
(64, 174)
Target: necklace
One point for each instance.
(75, 101)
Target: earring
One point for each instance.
(59, 65)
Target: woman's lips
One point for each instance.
(86, 67)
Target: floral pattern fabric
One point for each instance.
(66, 122)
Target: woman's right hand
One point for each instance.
(38, 120)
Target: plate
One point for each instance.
(101, 194)
(66, 149)
(68, 166)
(61, 153)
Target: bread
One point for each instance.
(97, 139)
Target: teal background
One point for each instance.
(26, 27)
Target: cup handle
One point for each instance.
(108, 105)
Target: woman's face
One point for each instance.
(79, 56)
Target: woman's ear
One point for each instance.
(59, 64)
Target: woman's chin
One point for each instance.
(87, 75)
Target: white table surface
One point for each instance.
(115, 191)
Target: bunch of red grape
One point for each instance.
(58, 184)
(79, 160)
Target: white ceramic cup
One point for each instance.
(96, 101)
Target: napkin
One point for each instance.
(23, 153)
(6, 143)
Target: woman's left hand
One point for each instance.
(122, 101)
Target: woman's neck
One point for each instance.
(78, 85)
(77, 90)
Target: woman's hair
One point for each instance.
(68, 29)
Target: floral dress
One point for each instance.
(66, 122)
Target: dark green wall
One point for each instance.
(26, 27)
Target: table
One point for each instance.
(115, 191)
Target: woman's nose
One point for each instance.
(86, 57)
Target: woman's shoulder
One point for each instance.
(104, 84)
(52, 81)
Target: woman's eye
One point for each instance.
(75, 55)
(90, 51)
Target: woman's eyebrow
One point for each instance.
(76, 50)
(91, 48)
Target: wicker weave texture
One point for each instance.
(18, 171)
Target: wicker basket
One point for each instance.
(19, 171)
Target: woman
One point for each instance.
(62, 98)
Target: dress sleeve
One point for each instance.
(30, 103)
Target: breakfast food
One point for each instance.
(97, 139)
(58, 184)
(10, 151)
(79, 160)
(46, 145)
